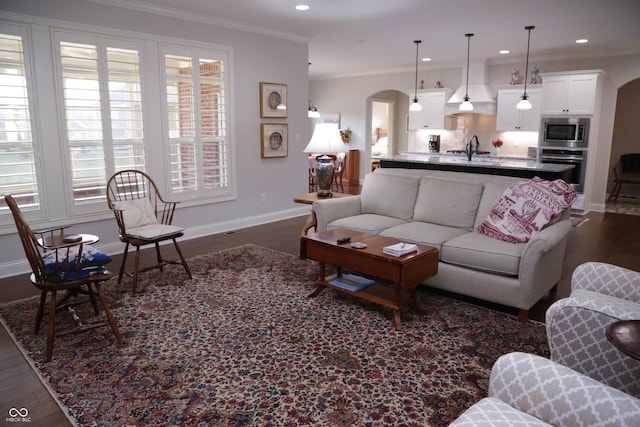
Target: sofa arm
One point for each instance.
(607, 279)
(329, 210)
(576, 328)
(542, 260)
(548, 238)
(558, 395)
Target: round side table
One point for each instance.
(625, 336)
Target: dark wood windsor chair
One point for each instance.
(144, 218)
(75, 268)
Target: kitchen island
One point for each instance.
(489, 165)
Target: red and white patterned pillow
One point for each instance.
(525, 208)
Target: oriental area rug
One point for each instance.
(241, 344)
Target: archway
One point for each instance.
(626, 133)
(385, 125)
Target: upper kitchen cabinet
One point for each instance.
(570, 93)
(432, 114)
(508, 118)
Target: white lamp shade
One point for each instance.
(325, 139)
(466, 106)
(415, 106)
(523, 104)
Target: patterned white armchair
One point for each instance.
(601, 294)
(529, 390)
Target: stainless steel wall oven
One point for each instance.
(564, 140)
(563, 156)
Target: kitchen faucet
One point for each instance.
(469, 148)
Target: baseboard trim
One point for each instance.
(21, 267)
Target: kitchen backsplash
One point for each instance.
(461, 127)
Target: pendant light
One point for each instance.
(466, 105)
(415, 105)
(524, 103)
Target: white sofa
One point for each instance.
(529, 390)
(601, 294)
(442, 209)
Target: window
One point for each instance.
(98, 117)
(17, 158)
(196, 107)
(104, 134)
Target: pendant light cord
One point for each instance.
(415, 97)
(468, 36)
(526, 67)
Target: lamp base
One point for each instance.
(324, 175)
(326, 195)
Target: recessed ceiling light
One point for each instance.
(581, 41)
(426, 59)
(504, 52)
(302, 7)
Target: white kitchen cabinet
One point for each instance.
(432, 114)
(508, 118)
(570, 93)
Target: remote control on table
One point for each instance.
(343, 240)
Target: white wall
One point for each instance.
(256, 58)
(348, 95)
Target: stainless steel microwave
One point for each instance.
(564, 132)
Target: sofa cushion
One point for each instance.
(447, 202)
(366, 223)
(423, 232)
(391, 196)
(480, 252)
(525, 208)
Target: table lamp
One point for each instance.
(325, 139)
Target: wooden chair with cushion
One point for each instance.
(627, 171)
(144, 218)
(313, 184)
(75, 268)
(337, 175)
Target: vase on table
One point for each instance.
(496, 151)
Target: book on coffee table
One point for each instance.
(351, 282)
(400, 249)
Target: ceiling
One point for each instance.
(348, 37)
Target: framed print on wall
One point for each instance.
(273, 100)
(275, 141)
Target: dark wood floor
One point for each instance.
(606, 237)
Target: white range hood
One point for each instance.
(480, 94)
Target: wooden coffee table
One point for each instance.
(404, 272)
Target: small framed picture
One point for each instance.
(273, 100)
(275, 141)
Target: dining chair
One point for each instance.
(313, 183)
(337, 175)
(58, 266)
(143, 218)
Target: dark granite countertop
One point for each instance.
(485, 162)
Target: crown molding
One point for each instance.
(171, 12)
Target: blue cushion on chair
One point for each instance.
(91, 262)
